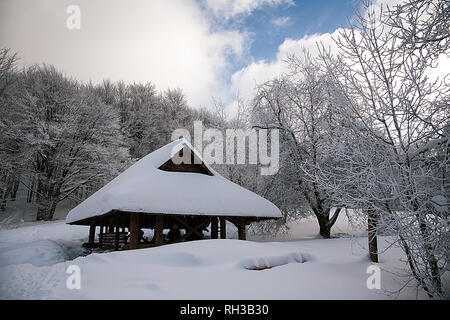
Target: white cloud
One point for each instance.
(245, 80)
(232, 8)
(280, 22)
(169, 43)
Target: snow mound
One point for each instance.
(38, 253)
(267, 262)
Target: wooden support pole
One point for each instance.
(134, 231)
(100, 236)
(122, 222)
(241, 229)
(223, 228)
(214, 228)
(92, 232)
(116, 236)
(159, 226)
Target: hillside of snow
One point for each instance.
(34, 261)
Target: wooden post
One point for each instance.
(100, 236)
(241, 229)
(134, 231)
(223, 228)
(372, 235)
(123, 222)
(214, 228)
(92, 233)
(159, 226)
(116, 236)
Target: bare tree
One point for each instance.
(299, 104)
(421, 25)
(11, 141)
(70, 135)
(393, 104)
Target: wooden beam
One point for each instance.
(192, 229)
(223, 228)
(214, 228)
(92, 232)
(159, 227)
(134, 231)
(241, 229)
(195, 229)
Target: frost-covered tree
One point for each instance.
(147, 117)
(391, 153)
(142, 100)
(11, 141)
(169, 113)
(70, 136)
(421, 25)
(300, 105)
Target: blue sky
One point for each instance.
(303, 18)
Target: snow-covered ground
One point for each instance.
(34, 260)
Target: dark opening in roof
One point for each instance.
(194, 165)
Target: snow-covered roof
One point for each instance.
(145, 188)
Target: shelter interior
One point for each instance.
(120, 230)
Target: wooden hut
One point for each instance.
(158, 193)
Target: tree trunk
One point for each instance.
(324, 229)
(15, 187)
(31, 190)
(46, 208)
(323, 217)
(42, 210)
(372, 221)
(7, 190)
(325, 223)
(431, 258)
(48, 198)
